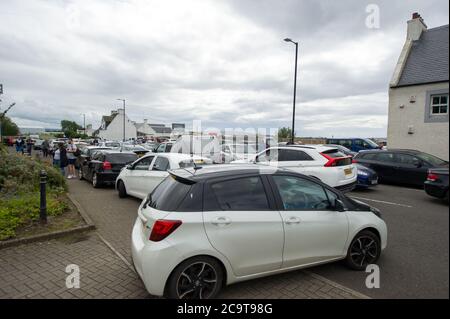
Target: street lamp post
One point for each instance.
(123, 100)
(295, 89)
(2, 116)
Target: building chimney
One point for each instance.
(415, 27)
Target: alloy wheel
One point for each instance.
(364, 251)
(197, 281)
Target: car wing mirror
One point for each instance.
(339, 205)
(129, 167)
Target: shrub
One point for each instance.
(24, 209)
(20, 174)
(19, 191)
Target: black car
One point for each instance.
(400, 166)
(86, 154)
(104, 166)
(436, 184)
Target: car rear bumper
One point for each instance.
(435, 190)
(347, 187)
(366, 182)
(107, 177)
(153, 261)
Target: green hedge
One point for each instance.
(20, 174)
(19, 191)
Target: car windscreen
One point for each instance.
(433, 160)
(108, 144)
(371, 143)
(121, 158)
(168, 195)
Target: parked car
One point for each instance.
(137, 149)
(164, 147)
(86, 153)
(234, 152)
(354, 144)
(436, 184)
(150, 146)
(37, 145)
(141, 177)
(400, 166)
(201, 229)
(366, 177)
(110, 144)
(104, 166)
(326, 164)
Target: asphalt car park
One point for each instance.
(414, 265)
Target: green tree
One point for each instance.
(9, 128)
(70, 128)
(284, 132)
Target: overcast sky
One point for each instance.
(222, 62)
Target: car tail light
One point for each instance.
(354, 161)
(336, 161)
(107, 165)
(432, 177)
(163, 228)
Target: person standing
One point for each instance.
(19, 145)
(56, 158)
(63, 160)
(29, 145)
(71, 157)
(45, 148)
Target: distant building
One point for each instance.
(111, 127)
(418, 94)
(149, 130)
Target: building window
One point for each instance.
(439, 104)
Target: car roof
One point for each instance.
(392, 150)
(110, 151)
(317, 147)
(200, 173)
(173, 156)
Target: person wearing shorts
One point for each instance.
(71, 158)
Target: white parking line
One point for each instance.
(382, 202)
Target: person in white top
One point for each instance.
(71, 157)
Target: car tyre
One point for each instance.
(121, 189)
(365, 249)
(196, 278)
(95, 182)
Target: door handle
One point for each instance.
(221, 221)
(293, 220)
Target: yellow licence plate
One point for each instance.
(348, 171)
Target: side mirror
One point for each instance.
(339, 206)
(129, 167)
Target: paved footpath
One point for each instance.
(37, 270)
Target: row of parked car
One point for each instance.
(201, 226)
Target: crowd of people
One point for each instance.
(64, 156)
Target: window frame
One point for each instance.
(209, 196)
(279, 198)
(432, 105)
(142, 159)
(159, 170)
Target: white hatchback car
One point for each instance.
(205, 227)
(141, 177)
(325, 163)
